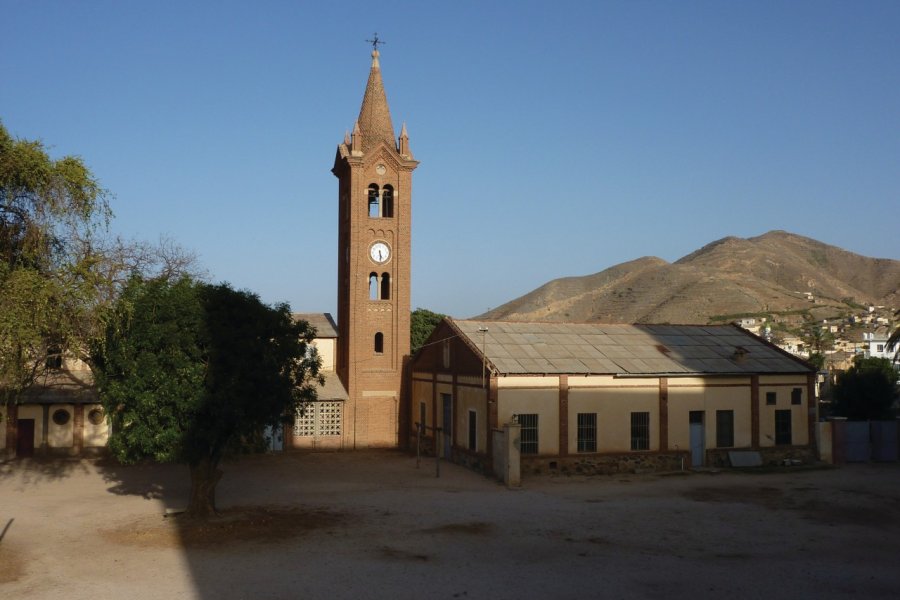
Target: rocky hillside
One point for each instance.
(771, 273)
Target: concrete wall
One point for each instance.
(327, 350)
(514, 400)
(471, 399)
(613, 403)
(33, 411)
(709, 396)
(61, 436)
(95, 436)
(782, 385)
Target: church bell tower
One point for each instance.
(374, 170)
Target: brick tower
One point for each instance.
(374, 171)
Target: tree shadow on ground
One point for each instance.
(33, 471)
(149, 481)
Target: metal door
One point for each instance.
(884, 440)
(24, 438)
(447, 424)
(698, 439)
(859, 446)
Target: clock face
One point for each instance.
(380, 252)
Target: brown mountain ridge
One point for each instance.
(771, 273)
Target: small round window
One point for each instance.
(95, 416)
(61, 416)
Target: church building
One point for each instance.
(368, 348)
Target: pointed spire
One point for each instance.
(404, 142)
(347, 138)
(356, 140)
(374, 115)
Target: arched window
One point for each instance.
(374, 204)
(387, 202)
(373, 286)
(385, 286)
(379, 343)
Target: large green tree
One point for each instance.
(866, 390)
(422, 323)
(188, 371)
(50, 214)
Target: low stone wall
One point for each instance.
(775, 455)
(480, 463)
(426, 447)
(606, 464)
(471, 460)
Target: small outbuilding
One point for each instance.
(60, 414)
(595, 398)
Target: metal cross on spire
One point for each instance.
(375, 41)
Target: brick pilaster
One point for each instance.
(812, 410)
(663, 414)
(78, 426)
(12, 416)
(563, 415)
(754, 411)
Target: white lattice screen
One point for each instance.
(319, 419)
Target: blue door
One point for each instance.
(698, 441)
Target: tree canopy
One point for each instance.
(50, 213)
(866, 390)
(422, 323)
(188, 371)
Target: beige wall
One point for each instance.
(33, 411)
(326, 348)
(469, 398)
(421, 392)
(782, 385)
(95, 435)
(697, 394)
(614, 406)
(61, 436)
(543, 402)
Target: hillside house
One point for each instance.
(605, 398)
(876, 345)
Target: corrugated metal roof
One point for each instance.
(589, 348)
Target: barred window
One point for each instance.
(529, 434)
(640, 431)
(797, 396)
(587, 432)
(724, 428)
(319, 419)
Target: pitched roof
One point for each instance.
(323, 322)
(333, 388)
(586, 348)
(374, 114)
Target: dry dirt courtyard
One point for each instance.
(372, 525)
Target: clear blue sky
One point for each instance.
(555, 138)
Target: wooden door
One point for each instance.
(24, 438)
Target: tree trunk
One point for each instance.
(205, 475)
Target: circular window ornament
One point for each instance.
(61, 416)
(380, 169)
(95, 416)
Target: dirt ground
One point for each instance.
(372, 525)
